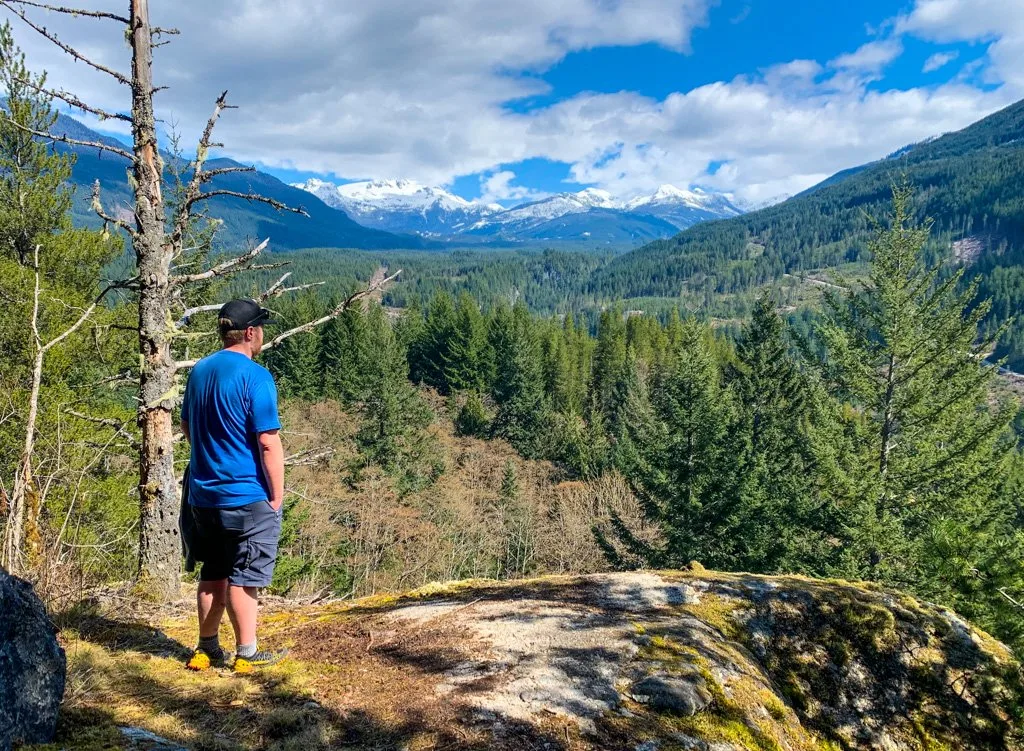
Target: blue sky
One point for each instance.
(741, 38)
(510, 102)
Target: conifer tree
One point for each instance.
(345, 356)
(50, 307)
(782, 524)
(680, 460)
(904, 352)
(518, 386)
(609, 360)
(466, 361)
(394, 416)
(434, 355)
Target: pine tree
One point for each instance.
(518, 386)
(904, 353)
(394, 416)
(466, 361)
(434, 355)
(782, 523)
(297, 362)
(344, 356)
(680, 459)
(609, 361)
(472, 419)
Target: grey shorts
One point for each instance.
(238, 544)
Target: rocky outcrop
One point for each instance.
(646, 661)
(32, 666)
(723, 661)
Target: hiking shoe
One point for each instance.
(262, 659)
(203, 660)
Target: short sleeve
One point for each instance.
(184, 403)
(263, 414)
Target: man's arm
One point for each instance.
(184, 429)
(272, 459)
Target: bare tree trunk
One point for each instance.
(26, 501)
(159, 546)
(14, 552)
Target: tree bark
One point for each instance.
(159, 546)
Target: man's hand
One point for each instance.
(272, 459)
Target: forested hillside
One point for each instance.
(969, 182)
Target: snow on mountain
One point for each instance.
(401, 205)
(683, 208)
(407, 206)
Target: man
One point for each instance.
(236, 485)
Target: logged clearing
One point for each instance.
(639, 661)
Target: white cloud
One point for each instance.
(418, 88)
(497, 187)
(871, 57)
(997, 22)
(939, 60)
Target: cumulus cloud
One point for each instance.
(420, 88)
(497, 187)
(997, 22)
(871, 57)
(939, 60)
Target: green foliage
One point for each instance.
(933, 448)
(472, 419)
(394, 415)
(518, 386)
(83, 431)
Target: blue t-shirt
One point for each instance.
(229, 401)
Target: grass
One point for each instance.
(345, 688)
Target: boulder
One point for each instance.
(686, 695)
(32, 666)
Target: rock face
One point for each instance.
(32, 666)
(712, 661)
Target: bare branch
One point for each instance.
(71, 141)
(275, 291)
(116, 425)
(73, 11)
(210, 174)
(9, 4)
(308, 457)
(1016, 603)
(222, 268)
(374, 286)
(97, 207)
(72, 100)
(159, 30)
(187, 315)
(251, 197)
(192, 190)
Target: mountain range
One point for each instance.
(396, 213)
(969, 183)
(588, 216)
(243, 221)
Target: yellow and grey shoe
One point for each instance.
(205, 659)
(262, 659)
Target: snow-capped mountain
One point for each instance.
(407, 206)
(530, 215)
(401, 205)
(683, 208)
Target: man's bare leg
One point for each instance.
(242, 609)
(211, 599)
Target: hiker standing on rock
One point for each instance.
(236, 485)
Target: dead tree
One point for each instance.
(158, 242)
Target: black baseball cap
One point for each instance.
(242, 314)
